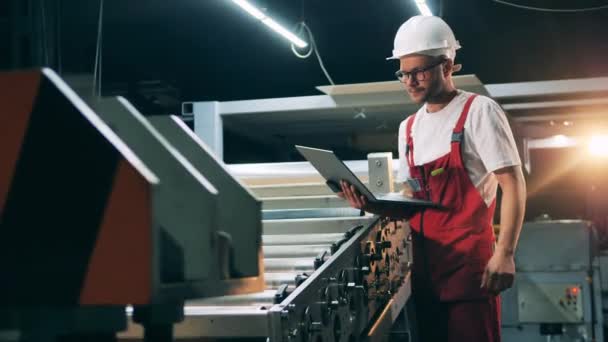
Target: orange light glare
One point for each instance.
(598, 146)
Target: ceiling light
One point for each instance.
(423, 7)
(259, 15)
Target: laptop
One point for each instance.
(334, 170)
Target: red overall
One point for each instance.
(451, 248)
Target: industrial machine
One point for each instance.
(99, 212)
(330, 273)
(557, 291)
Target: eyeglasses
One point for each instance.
(417, 74)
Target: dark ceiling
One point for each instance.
(212, 50)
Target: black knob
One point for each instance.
(376, 257)
(385, 244)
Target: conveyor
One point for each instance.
(330, 272)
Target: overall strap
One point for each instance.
(458, 132)
(409, 142)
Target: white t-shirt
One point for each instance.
(488, 140)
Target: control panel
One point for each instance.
(550, 302)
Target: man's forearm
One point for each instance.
(512, 210)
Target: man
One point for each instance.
(455, 151)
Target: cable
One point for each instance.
(59, 40)
(100, 61)
(552, 10)
(299, 29)
(303, 11)
(97, 67)
(313, 48)
(45, 43)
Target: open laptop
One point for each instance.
(334, 171)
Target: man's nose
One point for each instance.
(411, 81)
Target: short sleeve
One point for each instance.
(492, 136)
(403, 171)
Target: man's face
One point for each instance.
(421, 86)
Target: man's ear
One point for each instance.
(448, 67)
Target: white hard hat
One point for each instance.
(427, 35)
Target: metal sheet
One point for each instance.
(556, 254)
(401, 297)
(297, 117)
(187, 201)
(381, 329)
(350, 95)
(245, 228)
(461, 81)
(547, 88)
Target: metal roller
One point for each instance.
(331, 201)
(289, 265)
(294, 251)
(278, 214)
(254, 299)
(314, 225)
(283, 190)
(288, 173)
(275, 279)
(301, 239)
(192, 308)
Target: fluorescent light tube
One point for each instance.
(259, 15)
(423, 8)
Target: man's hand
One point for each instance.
(356, 200)
(350, 193)
(500, 271)
(499, 274)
